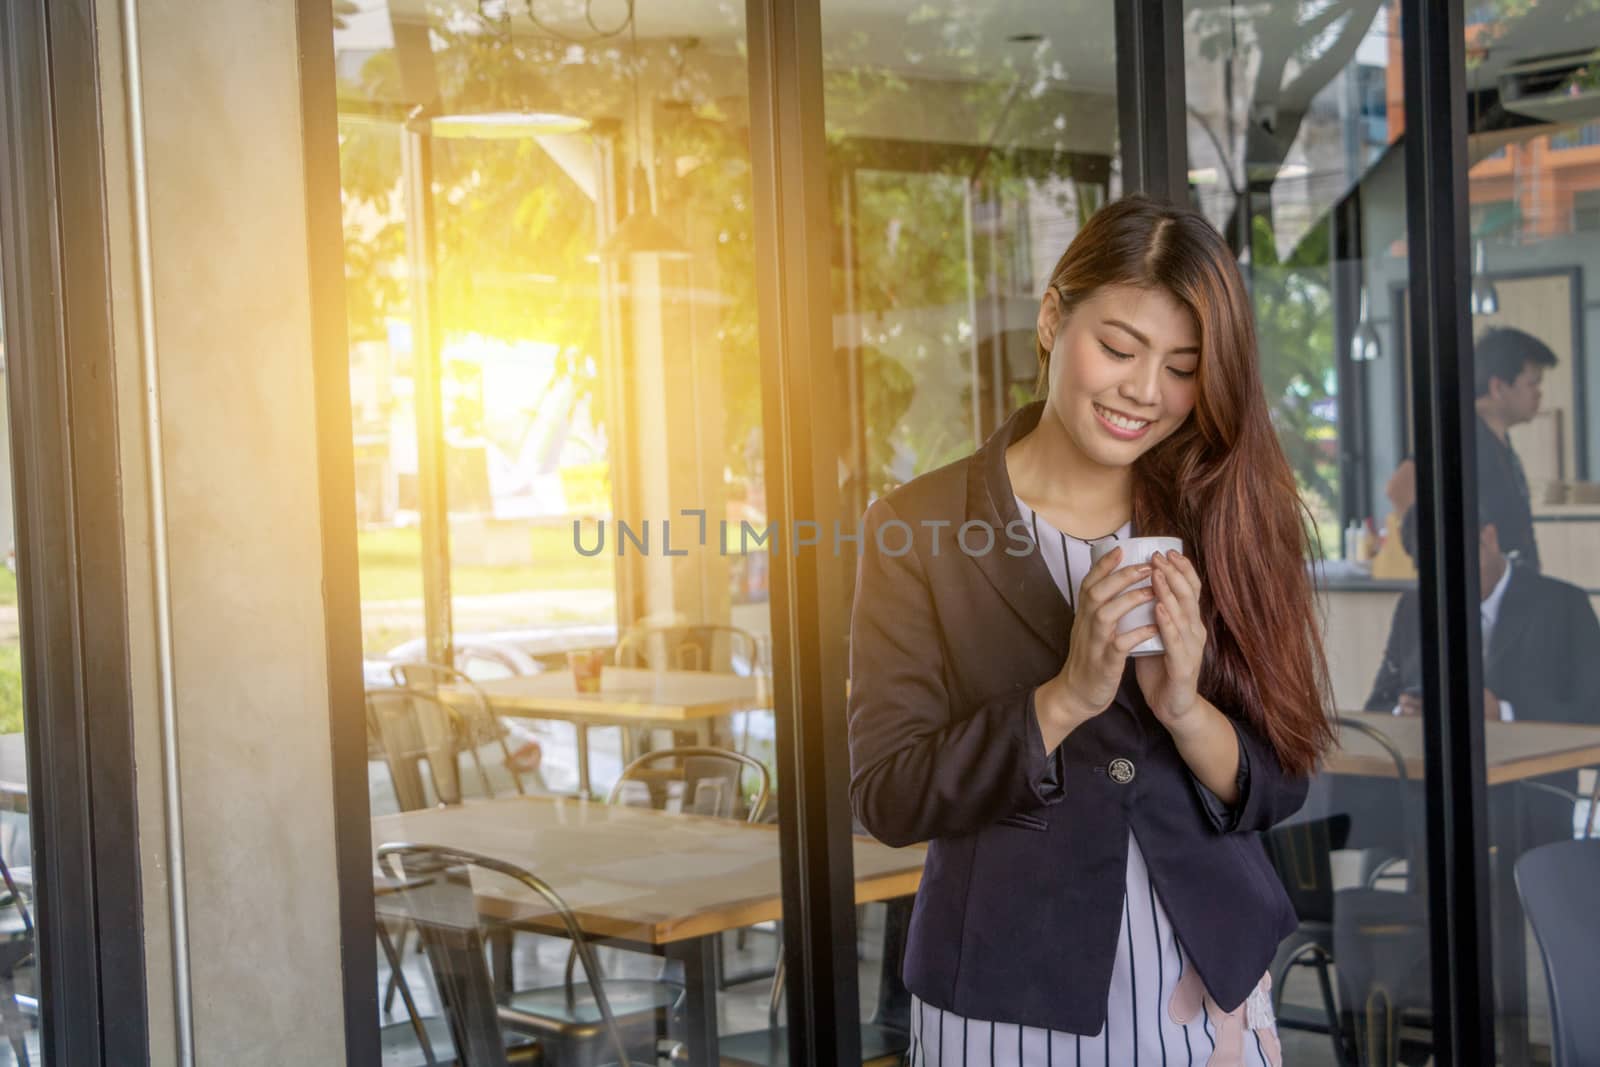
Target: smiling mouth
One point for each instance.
(1119, 421)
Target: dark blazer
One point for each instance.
(1543, 655)
(1020, 908)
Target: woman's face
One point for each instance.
(1122, 370)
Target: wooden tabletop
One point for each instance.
(1512, 750)
(625, 693)
(647, 876)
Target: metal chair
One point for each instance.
(702, 780)
(1380, 951)
(1300, 853)
(1402, 808)
(424, 1041)
(582, 1029)
(416, 736)
(881, 1045)
(412, 729)
(687, 647)
(16, 949)
(1571, 797)
(476, 719)
(1378, 940)
(1557, 883)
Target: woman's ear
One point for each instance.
(1049, 318)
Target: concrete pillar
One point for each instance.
(233, 331)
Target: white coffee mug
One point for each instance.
(1135, 551)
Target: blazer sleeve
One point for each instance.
(1268, 793)
(919, 767)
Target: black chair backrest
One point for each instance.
(1301, 853)
(1557, 885)
(435, 885)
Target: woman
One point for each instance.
(1094, 891)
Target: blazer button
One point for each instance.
(1121, 771)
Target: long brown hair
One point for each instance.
(1221, 482)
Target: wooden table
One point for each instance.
(647, 879)
(1513, 752)
(628, 696)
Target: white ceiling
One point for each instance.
(946, 39)
(966, 40)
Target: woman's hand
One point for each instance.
(1170, 682)
(1097, 653)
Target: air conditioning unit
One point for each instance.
(1563, 88)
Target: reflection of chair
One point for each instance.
(689, 647)
(413, 729)
(695, 780)
(881, 1046)
(1557, 886)
(417, 737)
(1380, 951)
(1379, 938)
(476, 721)
(423, 1041)
(1400, 816)
(583, 1027)
(1301, 854)
(16, 949)
(700, 781)
(1575, 800)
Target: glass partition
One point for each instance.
(19, 975)
(556, 392)
(1296, 153)
(966, 147)
(1533, 110)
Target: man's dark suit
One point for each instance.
(1543, 657)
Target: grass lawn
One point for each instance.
(10, 684)
(391, 565)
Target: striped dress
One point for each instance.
(1157, 1010)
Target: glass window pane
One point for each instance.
(1534, 184)
(967, 145)
(557, 405)
(19, 981)
(1296, 154)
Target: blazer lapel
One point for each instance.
(1509, 625)
(1024, 581)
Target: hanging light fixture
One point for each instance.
(642, 232)
(1483, 299)
(1364, 344)
(514, 102)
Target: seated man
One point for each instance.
(1541, 647)
(1541, 662)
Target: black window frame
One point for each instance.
(83, 810)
